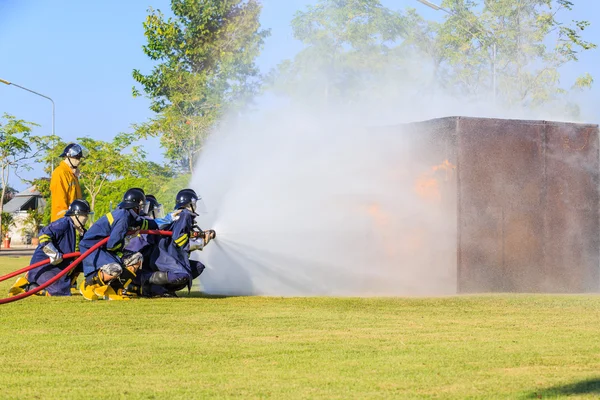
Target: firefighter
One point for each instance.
(142, 244)
(105, 264)
(172, 268)
(58, 238)
(64, 184)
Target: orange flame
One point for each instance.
(427, 185)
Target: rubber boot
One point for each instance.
(20, 286)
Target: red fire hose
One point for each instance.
(69, 268)
(37, 264)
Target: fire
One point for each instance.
(427, 185)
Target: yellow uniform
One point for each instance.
(64, 188)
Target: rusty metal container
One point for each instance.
(523, 197)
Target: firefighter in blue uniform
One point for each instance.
(172, 268)
(144, 245)
(60, 237)
(105, 264)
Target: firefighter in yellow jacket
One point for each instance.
(64, 184)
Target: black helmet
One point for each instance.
(78, 207)
(74, 150)
(133, 198)
(140, 189)
(185, 197)
(152, 202)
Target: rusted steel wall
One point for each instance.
(528, 206)
(524, 199)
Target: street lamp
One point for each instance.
(494, 42)
(39, 94)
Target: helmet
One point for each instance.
(184, 198)
(78, 207)
(153, 208)
(74, 150)
(140, 189)
(133, 198)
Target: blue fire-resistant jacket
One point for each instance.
(65, 237)
(172, 253)
(115, 226)
(62, 234)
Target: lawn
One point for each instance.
(490, 346)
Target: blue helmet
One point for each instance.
(185, 197)
(133, 198)
(74, 150)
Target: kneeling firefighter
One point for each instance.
(170, 261)
(104, 265)
(58, 238)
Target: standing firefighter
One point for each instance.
(64, 184)
(170, 260)
(105, 264)
(59, 238)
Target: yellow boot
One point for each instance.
(87, 291)
(112, 294)
(20, 286)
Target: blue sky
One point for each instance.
(81, 53)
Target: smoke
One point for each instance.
(312, 204)
(313, 197)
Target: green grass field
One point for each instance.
(493, 346)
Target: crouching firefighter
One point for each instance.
(139, 249)
(60, 237)
(103, 266)
(172, 270)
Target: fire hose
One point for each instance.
(67, 269)
(35, 265)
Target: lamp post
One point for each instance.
(39, 94)
(490, 34)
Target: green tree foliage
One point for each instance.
(204, 59)
(43, 186)
(8, 221)
(348, 46)
(107, 161)
(32, 223)
(162, 185)
(505, 51)
(17, 145)
(511, 51)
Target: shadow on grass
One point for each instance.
(589, 386)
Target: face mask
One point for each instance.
(73, 162)
(79, 221)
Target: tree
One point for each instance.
(9, 193)
(507, 52)
(8, 221)
(153, 178)
(32, 223)
(107, 161)
(43, 186)
(205, 58)
(510, 51)
(17, 145)
(348, 46)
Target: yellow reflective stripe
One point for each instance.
(110, 218)
(45, 238)
(181, 240)
(115, 248)
(144, 224)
